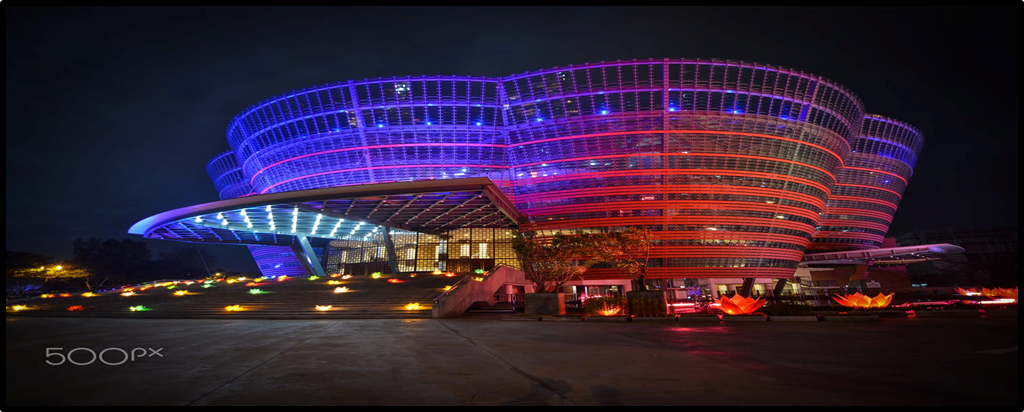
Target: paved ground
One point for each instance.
(482, 360)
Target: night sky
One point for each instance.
(113, 113)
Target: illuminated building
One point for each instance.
(739, 168)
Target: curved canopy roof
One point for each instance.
(886, 256)
(348, 212)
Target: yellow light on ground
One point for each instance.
(333, 282)
(47, 295)
(413, 306)
(231, 281)
(323, 308)
(180, 293)
(478, 279)
(234, 308)
(341, 289)
(18, 307)
(436, 272)
(88, 294)
(412, 275)
(447, 288)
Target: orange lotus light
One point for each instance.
(282, 278)
(450, 274)
(323, 308)
(992, 293)
(47, 295)
(393, 280)
(412, 275)
(65, 295)
(88, 294)
(334, 275)
(739, 305)
(75, 308)
(188, 282)
(413, 306)
(857, 300)
(180, 293)
(341, 289)
(234, 308)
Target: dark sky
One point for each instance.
(112, 113)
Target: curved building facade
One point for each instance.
(738, 168)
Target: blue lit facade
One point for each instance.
(738, 167)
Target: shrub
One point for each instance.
(787, 309)
(647, 307)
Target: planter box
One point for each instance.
(521, 317)
(794, 318)
(544, 304)
(654, 318)
(949, 313)
(561, 319)
(606, 319)
(849, 318)
(699, 318)
(744, 318)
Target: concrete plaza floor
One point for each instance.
(479, 359)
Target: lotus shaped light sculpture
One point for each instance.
(858, 300)
(992, 293)
(739, 305)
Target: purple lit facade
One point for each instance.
(739, 168)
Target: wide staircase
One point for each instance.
(358, 297)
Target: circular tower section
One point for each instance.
(226, 174)
(372, 131)
(730, 163)
(870, 186)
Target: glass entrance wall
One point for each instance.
(459, 251)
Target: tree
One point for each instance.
(628, 250)
(22, 279)
(110, 259)
(551, 262)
